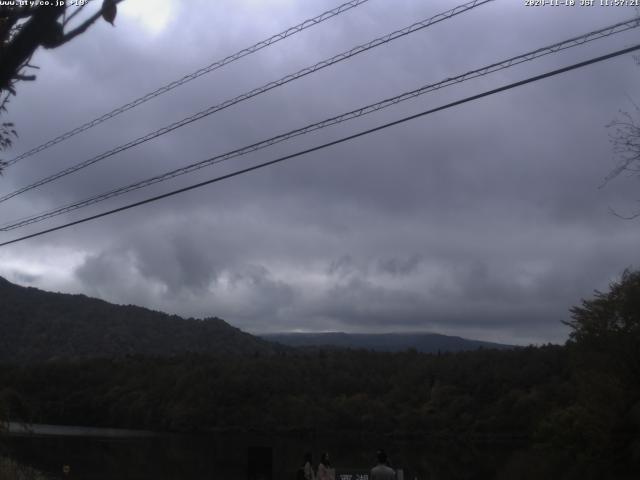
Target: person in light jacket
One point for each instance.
(325, 470)
(382, 471)
(307, 468)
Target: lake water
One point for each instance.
(106, 454)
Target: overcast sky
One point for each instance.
(484, 221)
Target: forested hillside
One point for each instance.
(382, 342)
(37, 326)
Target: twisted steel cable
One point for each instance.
(192, 76)
(332, 143)
(525, 57)
(257, 91)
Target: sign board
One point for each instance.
(352, 476)
(362, 475)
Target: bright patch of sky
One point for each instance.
(152, 15)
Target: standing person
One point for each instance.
(306, 471)
(382, 471)
(325, 470)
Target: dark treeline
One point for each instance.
(529, 397)
(476, 393)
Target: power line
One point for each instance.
(257, 91)
(570, 43)
(332, 143)
(192, 76)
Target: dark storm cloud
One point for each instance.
(483, 220)
(400, 266)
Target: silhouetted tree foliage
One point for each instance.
(12, 407)
(26, 26)
(602, 427)
(625, 139)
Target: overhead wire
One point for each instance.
(332, 143)
(365, 110)
(257, 91)
(192, 76)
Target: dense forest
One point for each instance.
(472, 394)
(382, 342)
(38, 326)
(580, 401)
(528, 396)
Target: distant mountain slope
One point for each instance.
(387, 342)
(36, 326)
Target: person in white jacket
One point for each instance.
(309, 474)
(325, 470)
(382, 471)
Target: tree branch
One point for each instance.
(75, 12)
(76, 31)
(80, 28)
(26, 41)
(631, 217)
(27, 78)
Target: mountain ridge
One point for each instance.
(36, 325)
(424, 342)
